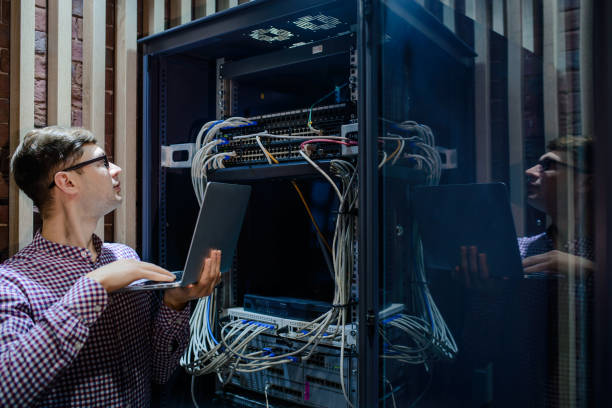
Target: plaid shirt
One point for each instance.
(65, 342)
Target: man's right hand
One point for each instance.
(474, 269)
(119, 274)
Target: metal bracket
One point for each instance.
(167, 155)
(448, 156)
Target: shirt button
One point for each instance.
(97, 308)
(78, 345)
(84, 254)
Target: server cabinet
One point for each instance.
(380, 96)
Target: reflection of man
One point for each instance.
(532, 316)
(65, 338)
(561, 185)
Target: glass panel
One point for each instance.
(486, 188)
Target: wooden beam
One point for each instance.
(550, 52)
(211, 7)
(126, 64)
(21, 115)
(59, 63)
(154, 16)
(94, 75)
(515, 114)
(180, 12)
(586, 68)
(482, 92)
(199, 8)
(448, 14)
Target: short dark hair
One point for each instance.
(42, 153)
(580, 148)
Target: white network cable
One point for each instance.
(423, 150)
(230, 353)
(425, 327)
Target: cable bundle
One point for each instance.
(430, 336)
(422, 149)
(205, 156)
(233, 351)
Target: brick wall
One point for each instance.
(5, 17)
(109, 126)
(570, 118)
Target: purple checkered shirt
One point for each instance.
(65, 342)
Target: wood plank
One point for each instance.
(94, 67)
(586, 68)
(482, 92)
(448, 14)
(180, 12)
(211, 7)
(59, 63)
(550, 52)
(154, 11)
(199, 8)
(21, 115)
(126, 64)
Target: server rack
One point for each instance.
(252, 61)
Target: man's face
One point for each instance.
(545, 182)
(553, 183)
(99, 187)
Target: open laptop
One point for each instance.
(455, 215)
(218, 227)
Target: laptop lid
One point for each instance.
(450, 216)
(217, 227)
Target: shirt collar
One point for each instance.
(66, 251)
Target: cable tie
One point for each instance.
(351, 303)
(423, 282)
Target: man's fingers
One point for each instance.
(154, 268)
(155, 276)
(484, 266)
(464, 267)
(473, 261)
(535, 259)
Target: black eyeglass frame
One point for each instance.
(547, 164)
(83, 164)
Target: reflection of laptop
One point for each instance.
(450, 216)
(218, 227)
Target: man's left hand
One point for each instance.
(177, 298)
(557, 262)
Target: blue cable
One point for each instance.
(433, 326)
(208, 321)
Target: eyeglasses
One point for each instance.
(548, 163)
(83, 164)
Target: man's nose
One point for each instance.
(114, 169)
(533, 173)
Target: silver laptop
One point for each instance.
(218, 227)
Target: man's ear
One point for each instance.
(65, 183)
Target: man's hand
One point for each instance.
(474, 268)
(557, 263)
(121, 273)
(177, 298)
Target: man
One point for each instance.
(560, 185)
(536, 310)
(66, 337)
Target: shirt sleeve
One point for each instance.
(171, 336)
(33, 353)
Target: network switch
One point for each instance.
(295, 125)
